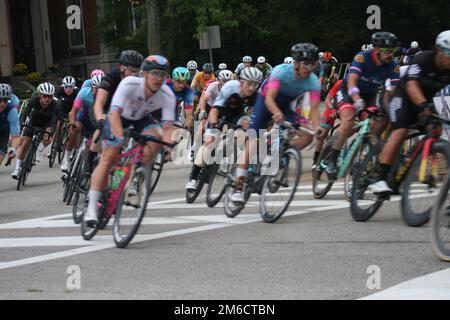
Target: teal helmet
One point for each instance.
(180, 74)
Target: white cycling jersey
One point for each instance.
(212, 91)
(129, 98)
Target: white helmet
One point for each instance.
(68, 82)
(225, 75)
(414, 44)
(5, 91)
(46, 88)
(321, 55)
(289, 60)
(222, 66)
(251, 74)
(443, 40)
(261, 59)
(192, 65)
(247, 59)
(97, 80)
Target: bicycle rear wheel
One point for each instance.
(419, 197)
(364, 204)
(78, 205)
(440, 223)
(157, 167)
(131, 208)
(191, 195)
(279, 190)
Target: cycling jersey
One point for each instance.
(84, 103)
(239, 68)
(39, 116)
(65, 101)
(129, 99)
(86, 83)
(15, 101)
(110, 83)
(266, 69)
(186, 95)
(199, 81)
(212, 90)
(371, 75)
(329, 114)
(9, 120)
(191, 77)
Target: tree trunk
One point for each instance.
(153, 27)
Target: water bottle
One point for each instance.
(118, 175)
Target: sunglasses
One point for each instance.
(309, 64)
(159, 74)
(388, 50)
(46, 96)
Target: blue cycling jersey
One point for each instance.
(9, 120)
(372, 75)
(186, 95)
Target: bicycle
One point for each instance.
(30, 155)
(60, 138)
(404, 174)
(349, 158)
(440, 223)
(117, 196)
(267, 186)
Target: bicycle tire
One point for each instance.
(123, 241)
(361, 180)
(355, 163)
(440, 217)
(157, 167)
(317, 172)
(53, 149)
(229, 210)
(191, 195)
(271, 218)
(26, 167)
(411, 218)
(79, 198)
(212, 201)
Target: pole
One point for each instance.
(209, 45)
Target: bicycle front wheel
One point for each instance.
(279, 190)
(131, 207)
(217, 183)
(440, 223)
(321, 184)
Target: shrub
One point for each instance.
(34, 78)
(20, 69)
(53, 67)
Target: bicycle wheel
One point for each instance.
(321, 184)
(62, 145)
(231, 208)
(362, 151)
(191, 195)
(75, 181)
(364, 204)
(87, 231)
(275, 200)
(78, 204)
(418, 197)
(217, 183)
(26, 167)
(157, 168)
(53, 150)
(131, 209)
(440, 223)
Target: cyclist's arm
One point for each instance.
(315, 110)
(194, 83)
(272, 88)
(415, 92)
(115, 122)
(353, 83)
(100, 101)
(25, 112)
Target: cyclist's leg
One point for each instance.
(25, 139)
(302, 139)
(402, 116)
(70, 145)
(4, 138)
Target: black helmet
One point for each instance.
(155, 62)
(131, 58)
(305, 51)
(208, 68)
(385, 40)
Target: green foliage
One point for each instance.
(35, 78)
(20, 69)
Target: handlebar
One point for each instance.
(142, 139)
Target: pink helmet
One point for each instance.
(96, 72)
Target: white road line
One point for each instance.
(433, 286)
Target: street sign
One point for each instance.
(211, 38)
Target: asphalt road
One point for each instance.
(190, 251)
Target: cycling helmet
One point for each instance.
(261, 59)
(288, 60)
(251, 74)
(5, 91)
(97, 80)
(181, 74)
(225, 75)
(385, 40)
(208, 68)
(46, 88)
(131, 58)
(222, 66)
(68, 82)
(247, 59)
(443, 40)
(155, 62)
(414, 44)
(305, 51)
(97, 71)
(192, 65)
(321, 55)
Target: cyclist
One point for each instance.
(263, 66)
(66, 95)
(88, 82)
(9, 123)
(200, 79)
(428, 73)
(192, 67)
(278, 99)
(82, 118)
(369, 69)
(230, 103)
(183, 93)
(222, 66)
(134, 102)
(411, 52)
(129, 65)
(42, 111)
(246, 62)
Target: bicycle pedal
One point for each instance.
(385, 196)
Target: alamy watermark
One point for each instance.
(74, 279)
(74, 20)
(374, 20)
(374, 280)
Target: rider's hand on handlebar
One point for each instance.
(278, 117)
(359, 105)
